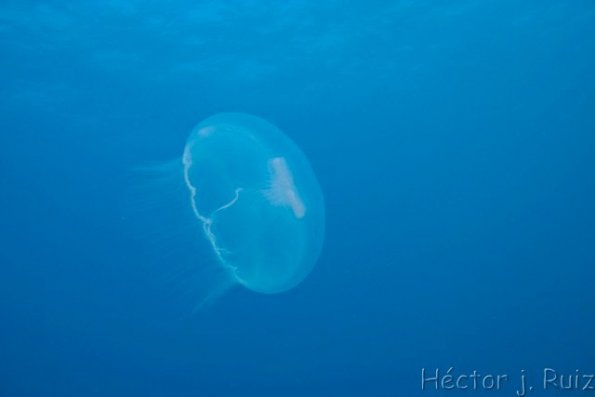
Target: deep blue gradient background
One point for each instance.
(455, 144)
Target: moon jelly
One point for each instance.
(257, 199)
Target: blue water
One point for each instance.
(454, 143)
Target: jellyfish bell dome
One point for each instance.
(258, 200)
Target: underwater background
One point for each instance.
(454, 143)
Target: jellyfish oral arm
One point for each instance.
(207, 221)
(187, 162)
(232, 202)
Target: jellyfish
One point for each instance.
(257, 202)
